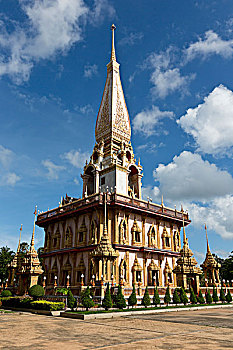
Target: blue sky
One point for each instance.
(176, 69)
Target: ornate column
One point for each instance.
(143, 232)
(116, 228)
(158, 235)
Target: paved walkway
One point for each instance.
(201, 329)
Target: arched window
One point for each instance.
(90, 180)
(133, 182)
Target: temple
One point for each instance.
(111, 234)
(210, 266)
(25, 269)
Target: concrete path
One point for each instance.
(200, 329)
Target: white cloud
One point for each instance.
(211, 123)
(50, 27)
(189, 177)
(146, 121)
(205, 190)
(211, 44)
(9, 179)
(53, 169)
(147, 147)
(101, 9)
(90, 70)
(5, 156)
(218, 215)
(76, 158)
(131, 39)
(165, 77)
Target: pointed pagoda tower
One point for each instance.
(186, 269)
(112, 163)
(136, 239)
(30, 268)
(210, 266)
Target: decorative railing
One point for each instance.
(112, 198)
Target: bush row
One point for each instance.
(27, 303)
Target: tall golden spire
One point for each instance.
(18, 249)
(185, 239)
(33, 232)
(113, 54)
(208, 247)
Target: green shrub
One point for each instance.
(107, 301)
(11, 302)
(167, 298)
(222, 295)
(156, 298)
(6, 293)
(228, 296)
(200, 298)
(183, 296)
(193, 299)
(70, 300)
(176, 298)
(36, 291)
(86, 299)
(63, 291)
(17, 302)
(47, 305)
(146, 298)
(120, 300)
(208, 297)
(215, 295)
(132, 298)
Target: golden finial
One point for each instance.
(33, 232)
(185, 240)
(113, 54)
(20, 237)
(139, 161)
(162, 201)
(208, 247)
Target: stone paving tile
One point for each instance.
(186, 330)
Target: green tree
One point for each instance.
(156, 298)
(200, 298)
(167, 298)
(176, 298)
(40, 251)
(86, 299)
(107, 301)
(70, 300)
(6, 293)
(208, 297)
(132, 298)
(36, 291)
(183, 296)
(193, 298)
(6, 256)
(215, 295)
(222, 295)
(146, 298)
(228, 296)
(120, 300)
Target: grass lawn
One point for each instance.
(144, 308)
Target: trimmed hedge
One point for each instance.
(36, 291)
(27, 303)
(47, 305)
(6, 293)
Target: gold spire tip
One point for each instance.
(113, 54)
